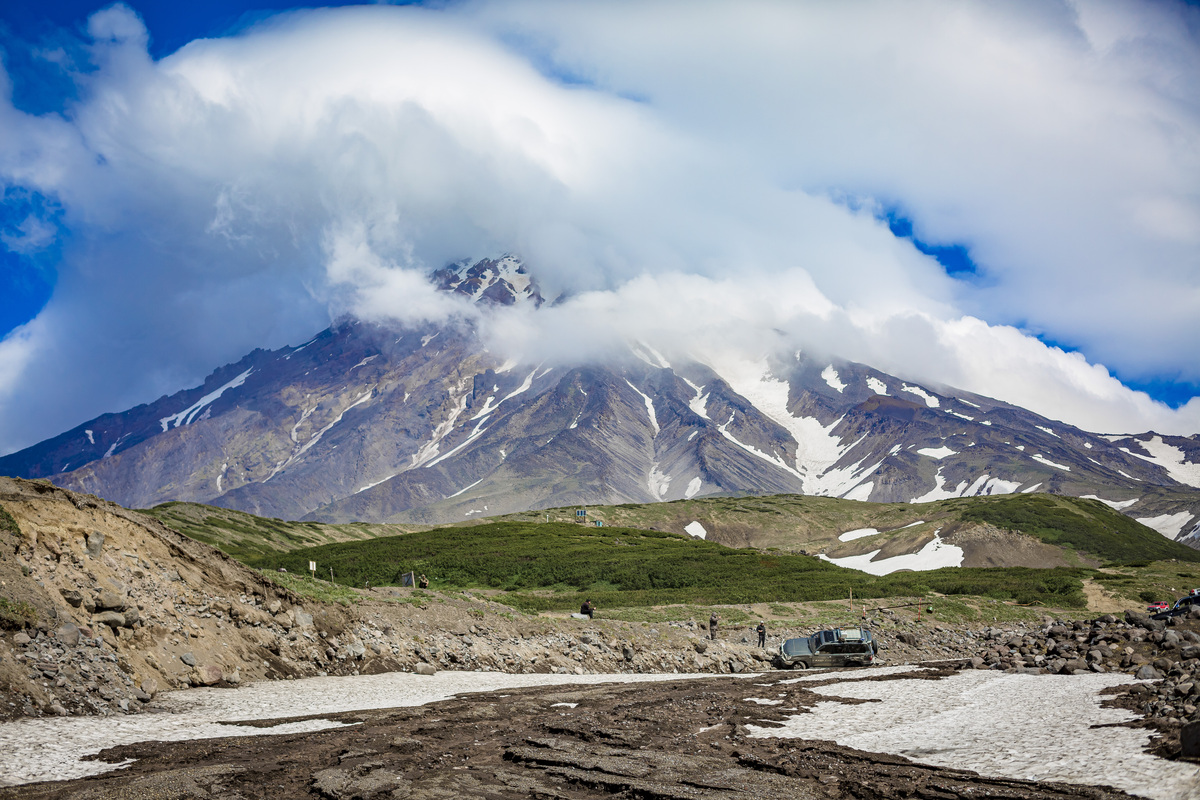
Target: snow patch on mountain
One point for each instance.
(429, 451)
(657, 482)
(186, 416)
(858, 533)
(830, 376)
(937, 452)
(649, 407)
(1114, 504)
(877, 386)
(695, 529)
(862, 492)
(983, 485)
(91, 438)
(817, 448)
(1169, 525)
(929, 399)
(772, 459)
(935, 555)
(693, 486)
(1047, 430)
(316, 437)
(1170, 458)
(1041, 459)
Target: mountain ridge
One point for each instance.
(424, 425)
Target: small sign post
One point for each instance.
(312, 567)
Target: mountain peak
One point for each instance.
(496, 281)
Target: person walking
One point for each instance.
(762, 633)
(712, 626)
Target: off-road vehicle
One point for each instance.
(840, 647)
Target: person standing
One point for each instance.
(712, 626)
(762, 633)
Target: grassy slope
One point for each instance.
(796, 523)
(246, 536)
(550, 566)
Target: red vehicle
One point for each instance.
(1159, 606)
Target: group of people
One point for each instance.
(715, 620)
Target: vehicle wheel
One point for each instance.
(800, 665)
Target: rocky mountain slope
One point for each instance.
(427, 426)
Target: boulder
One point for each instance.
(131, 616)
(189, 659)
(150, 686)
(95, 544)
(68, 634)
(700, 645)
(1148, 673)
(303, 618)
(21, 638)
(109, 600)
(424, 669)
(207, 675)
(113, 619)
(74, 598)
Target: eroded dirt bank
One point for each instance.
(675, 739)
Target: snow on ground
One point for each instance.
(937, 452)
(50, 748)
(649, 407)
(316, 437)
(188, 415)
(428, 451)
(472, 486)
(429, 338)
(962, 416)
(830, 376)
(877, 386)
(692, 487)
(1047, 430)
(1041, 459)
(1169, 525)
(1117, 504)
(694, 528)
(929, 399)
(1030, 489)
(935, 555)
(970, 721)
(850, 536)
(91, 437)
(915, 524)
(1170, 458)
(862, 492)
(699, 403)
(817, 449)
(967, 402)
(657, 482)
(984, 484)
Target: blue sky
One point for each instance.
(1000, 198)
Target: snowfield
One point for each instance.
(967, 721)
(935, 555)
(970, 721)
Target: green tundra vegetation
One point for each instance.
(550, 566)
(640, 559)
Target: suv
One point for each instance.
(1182, 606)
(840, 647)
(1160, 605)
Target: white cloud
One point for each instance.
(716, 181)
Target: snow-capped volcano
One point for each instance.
(501, 281)
(370, 423)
